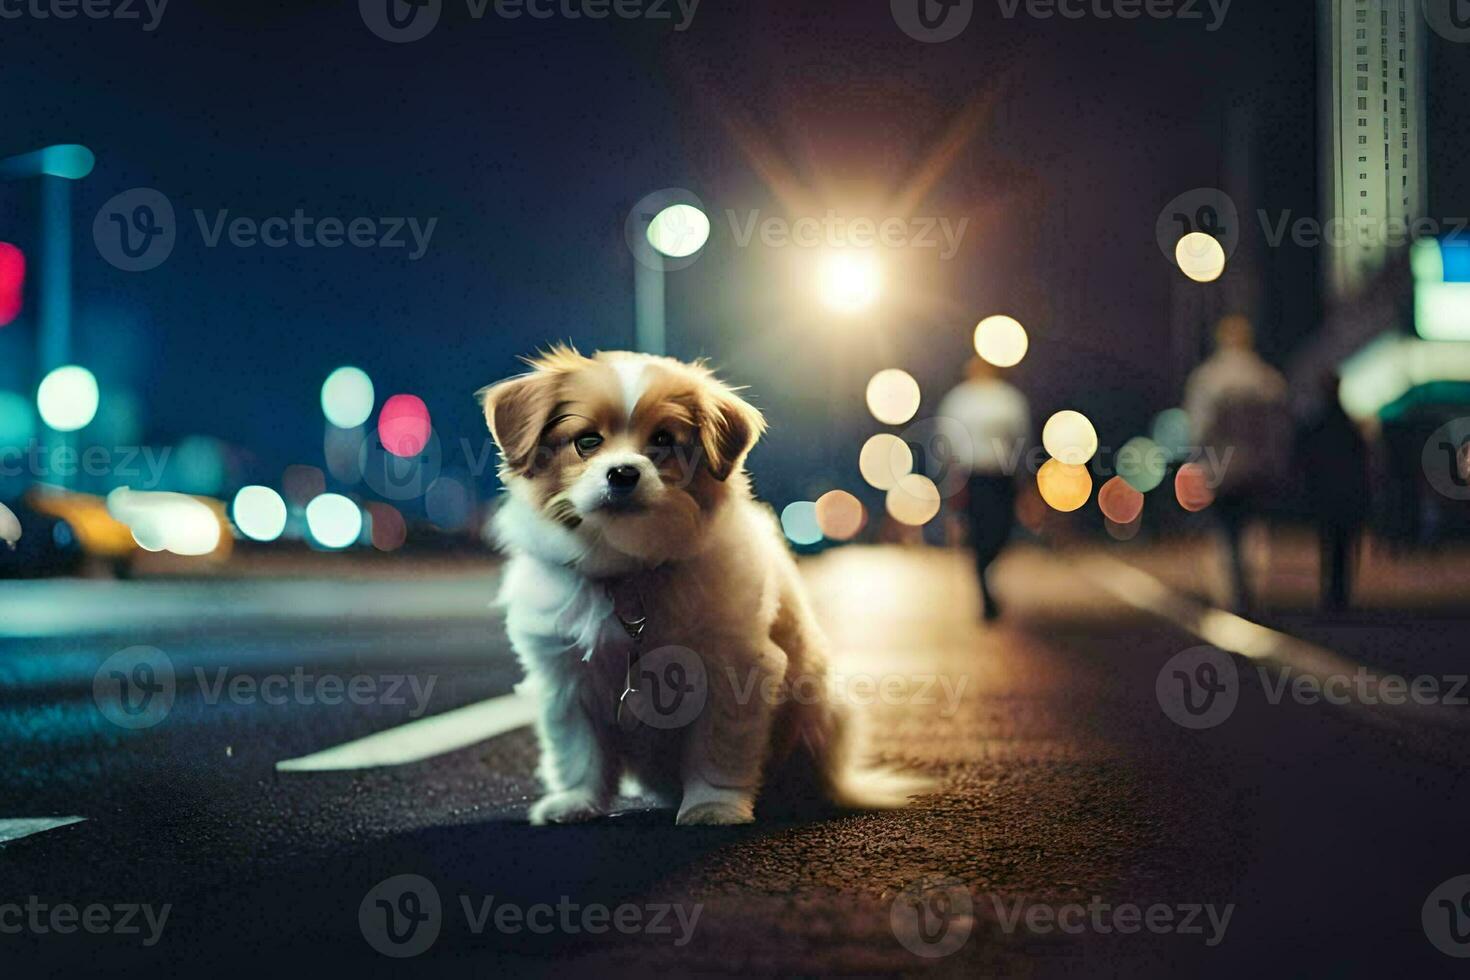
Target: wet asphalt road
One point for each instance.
(1312, 835)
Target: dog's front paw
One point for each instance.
(568, 806)
(716, 813)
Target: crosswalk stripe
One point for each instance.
(14, 828)
(422, 739)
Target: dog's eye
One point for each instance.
(662, 439)
(588, 443)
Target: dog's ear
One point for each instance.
(728, 428)
(516, 410)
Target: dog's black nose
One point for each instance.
(622, 479)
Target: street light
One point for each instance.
(849, 282)
(665, 232)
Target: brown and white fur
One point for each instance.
(713, 574)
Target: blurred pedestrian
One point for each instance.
(994, 421)
(1336, 461)
(1238, 409)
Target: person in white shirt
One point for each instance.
(992, 424)
(1238, 409)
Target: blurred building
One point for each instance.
(1374, 68)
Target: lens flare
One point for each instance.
(1001, 340)
(850, 281)
(1069, 436)
(1064, 486)
(893, 396)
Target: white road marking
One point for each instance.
(15, 828)
(1238, 635)
(422, 739)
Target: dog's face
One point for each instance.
(624, 451)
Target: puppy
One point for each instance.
(642, 573)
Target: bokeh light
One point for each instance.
(17, 420)
(678, 231)
(1143, 463)
(893, 396)
(12, 282)
(885, 460)
(404, 426)
(1069, 437)
(67, 398)
(1201, 257)
(799, 521)
(914, 500)
(259, 513)
(1191, 488)
(840, 515)
(1173, 431)
(348, 397)
(449, 504)
(172, 522)
(1119, 501)
(198, 466)
(334, 521)
(850, 281)
(1064, 486)
(389, 530)
(1001, 340)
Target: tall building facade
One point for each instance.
(1373, 56)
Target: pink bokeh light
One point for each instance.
(404, 426)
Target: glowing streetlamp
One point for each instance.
(665, 231)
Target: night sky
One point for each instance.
(529, 141)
